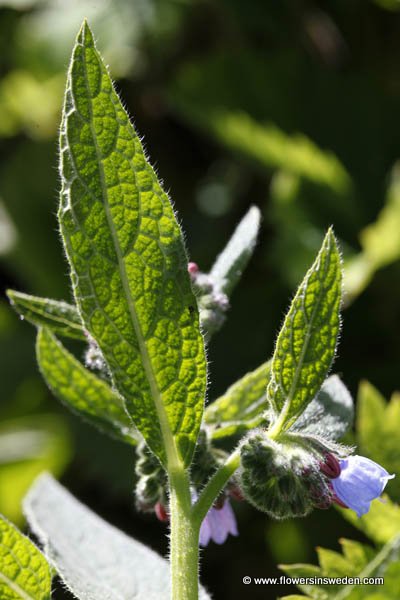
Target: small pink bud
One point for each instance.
(220, 501)
(193, 268)
(236, 493)
(161, 513)
(330, 466)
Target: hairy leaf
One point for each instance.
(128, 262)
(95, 560)
(59, 316)
(24, 572)
(331, 412)
(81, 391)
(230, 264)
(242, 407)
(307, 341)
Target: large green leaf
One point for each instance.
(81, 391)
(61, 317)
(128, 261)
(95, 560)
(242, 407)
(230, 264)
(307, 341)
(24, 572)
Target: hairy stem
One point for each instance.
(184, 543)
(214, 486)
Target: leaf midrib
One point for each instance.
(169, 442)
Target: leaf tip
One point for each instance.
(85, 35)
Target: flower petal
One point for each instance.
(361, 480)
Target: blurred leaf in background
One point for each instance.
(378, 427)
(29, 446)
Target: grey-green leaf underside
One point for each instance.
(330, 414)
(230, 264)
(128, 261)
(95, 560)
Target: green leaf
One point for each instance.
(382, 522)
(128, 262)
(242, 407)
(307, 341)
(59, 316)
(81, 391)
(330, 414)
(95, 560)
(357, 560)
(378, 425)
(24, 572)
(230, 264)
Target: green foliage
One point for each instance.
(115, 567)
(230, 264)
(379, 241)
(24, 572)
(81, 391)
(307, 341)
(378, 426)
(59, 316)
(380, 524)
(129, 265)
(356, 560)
(242, 407)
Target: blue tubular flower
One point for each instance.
(361, 480)
(218, 524)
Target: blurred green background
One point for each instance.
(292, 106)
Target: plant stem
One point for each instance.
(184, 543)
(214, 486)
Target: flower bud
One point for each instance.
(152, 480)
(212, 303)
(205, 460)
(281, 478)
(330, 466)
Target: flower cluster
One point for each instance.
(290, 477)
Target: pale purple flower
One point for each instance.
(218, 524)
(361, 480)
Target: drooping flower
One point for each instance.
(361, 480)
(218, 524)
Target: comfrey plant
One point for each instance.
(145, 312)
